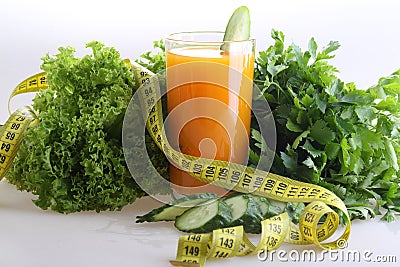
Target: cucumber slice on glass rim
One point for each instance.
(238, 27)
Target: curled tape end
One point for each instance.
(183, 264)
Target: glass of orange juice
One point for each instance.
(209, 95)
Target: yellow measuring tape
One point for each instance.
(317, 223)
(11, 133)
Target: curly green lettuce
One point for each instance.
(73, 159)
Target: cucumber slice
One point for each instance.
(295, 210)
(278, 204)
(269, 208)
(275, 207)
(245, 211)
(264, 205)
(205, 217)
(238, 27)
(170, 211)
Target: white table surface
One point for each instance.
(30, 237)
(368, 31)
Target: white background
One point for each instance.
(368, 32)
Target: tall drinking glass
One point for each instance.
(209, 94)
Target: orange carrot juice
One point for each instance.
(209, 94)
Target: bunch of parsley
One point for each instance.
(73, 159)
(329, 132)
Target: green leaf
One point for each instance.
(365, 113)
(356, 163)
(390, 84)
(298, 104)
(310, 164)
(345, 156)
(391, 155)
(332, 150)
(321, 103)
(389, 104)
(388, 176)
(299, 139)
(321, 133)
(312, 47)
(299, 55)
(291, 126)
(278, 35)
(253, 157)
(389, 216)
(379, 167)
(289, 162)
(344, 125)
(372, 193)
(307, 101)
(355, 97)
(325, 53)
(302, 118)
(335, 88)
(313, 151)
(371, 141)
(256, 135)
(361, 213)
(282, 112)
(275, 69)
(350, 86)
(392, 191)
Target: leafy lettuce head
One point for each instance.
(73, 159)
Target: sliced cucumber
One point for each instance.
(238, 27)
(245, 211)
(264, 205)
(278, 204)
(204, 217)
(269, 208)
(276, 207)
(170, 211)
(295, 210)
